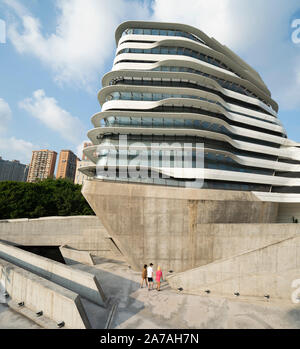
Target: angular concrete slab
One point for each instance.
(268, 271)
(72, 256)
(56, 302)
(85, 284)
(85, 233)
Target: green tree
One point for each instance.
(49, 197)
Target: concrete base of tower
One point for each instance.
(179, 228)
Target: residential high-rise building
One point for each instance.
(13, 171)
(42, 165)
(66, 165)
(85, 145)
(80, 177)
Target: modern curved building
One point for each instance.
(173, 90)
(171, 84)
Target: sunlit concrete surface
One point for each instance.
(9, 319)
(139, 308)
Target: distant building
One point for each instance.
(13, 171)
(86, 144)
(81, 177)
(42, 165)
(66, 165)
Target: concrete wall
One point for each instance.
(38, 294)
(80, 232)
(178, 228)
(72, 256)
(83, 283)
(288, 211)
(270, 270)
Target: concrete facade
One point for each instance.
(178, 228)
(272, 271)
(289, 213)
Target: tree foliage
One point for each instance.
(49, 197)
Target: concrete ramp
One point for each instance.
(73, 256)
(83, 283)
(268, 271)
(85, 233)
(57, 303)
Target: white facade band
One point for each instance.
(171, 89)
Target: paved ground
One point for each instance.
(9, 319)
(139, 308)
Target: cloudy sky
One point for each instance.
(56, 52)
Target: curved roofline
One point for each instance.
(231, 65)
(212, 42)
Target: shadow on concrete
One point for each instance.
(96, 314)
(101, 260)
(119, 289)
(294, 315)
(164, 286)
(3, 307)
(50, 252)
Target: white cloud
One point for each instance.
(80, 148)
(47, 110)
(16, 149)
(238, 24)
(257, 30)
(12, 148)
(83, 40)
(82, 43)
(5, 115)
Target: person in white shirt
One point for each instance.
(150, 276)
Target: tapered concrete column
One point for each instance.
(169, 226)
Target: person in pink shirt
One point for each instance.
(158, 278)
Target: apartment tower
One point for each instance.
(66, 165)
(13, 171)
(42, 165)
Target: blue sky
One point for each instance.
(57, 51)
